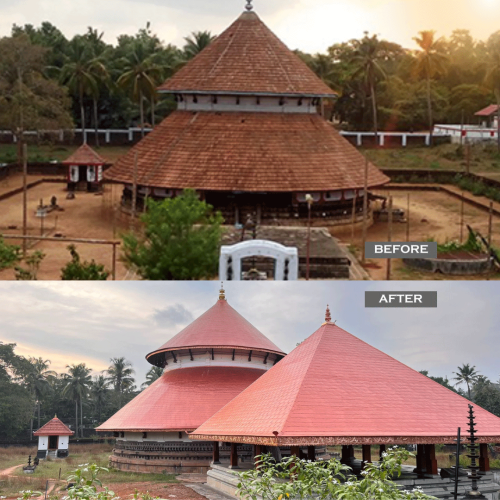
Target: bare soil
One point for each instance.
(432, 215)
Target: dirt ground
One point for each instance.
(156, 489)
(432, 215)
(87, 216)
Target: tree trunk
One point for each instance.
(81, 418)
(141, 108)
(82, 117)
(429, 109)
(153, 112)
(38, 413)
(375, 115)
(498, 118)
(76, 417)
(96, 123)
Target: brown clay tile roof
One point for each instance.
(252, 152)
(54, 427)
(85, 155)
(247, 58)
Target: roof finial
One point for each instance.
(222, 293)
(328, 316)
(249, 5)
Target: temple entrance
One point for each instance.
(53, 441)
(286, 260)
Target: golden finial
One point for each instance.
(328, 316)
(222, 293)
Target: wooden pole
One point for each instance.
(234, 456)
(462, 219)
(389, 237)
(408, 219)
(353, 217)
(468, 151)
(134, 194)
(365, 213)
(25, 197)
(216, 457)
(367, 454)
(490, 224)
(113, 264)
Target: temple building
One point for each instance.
(335, 389)
(205, 366)
(85, 170)
(53, 439)
(248, 135)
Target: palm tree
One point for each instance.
(152, 376)
(120, 375)
(141, 75)
(197, 42)
(76, 387)
(492, 78)
(99, 392)
(38, 381)
(79, 73)
(466, 374)
(429, 62)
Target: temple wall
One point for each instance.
(63, 443)
(160, 437)
(247, 104)
(43, 442)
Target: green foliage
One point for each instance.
(86, 482)
(33, 262)
(473, 245)
(440, 380)
(85, 271)
(298, 479)
(27, 494)
(9, 254)
(180, 242)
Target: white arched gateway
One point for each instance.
(286, 258)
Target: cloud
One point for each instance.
(172, 316)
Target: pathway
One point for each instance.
(10, 470)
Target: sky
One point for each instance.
(308, 25)
(89, 322)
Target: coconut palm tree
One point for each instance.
(492, 78)
(468, 375)
(141, 76)
(38, 380)
(430, 61)
(99, 392)
(76, 387)
(152, 376)
(197, 42)
(121, 376)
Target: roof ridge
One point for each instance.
(238, 27)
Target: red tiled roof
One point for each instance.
(220, 326)
(336, 389)
(251, 152)
(488, 111)
(182, 399)
(54, 428)
(85, 155)
(247, 58)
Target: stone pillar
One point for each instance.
(311, 453)
(430, 459)
(216, 457)
(420, 468)
(484, 459)
(381, 451)
(367, 454)
(234, 456)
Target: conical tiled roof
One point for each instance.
(247, 59)
(336, 389)
(54, 427)
(182, 399)
(220, 327)
(250, 152)
(85, 155)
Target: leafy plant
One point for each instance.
(294, 478)
(31, 273)
(85, 484)
(9, 254)
(87, 271)
(180, 242)
(27, 494)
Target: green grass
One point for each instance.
(47, 153)
(483, 158)
(49, 469)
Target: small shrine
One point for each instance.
(85, 169)
(53, 439)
